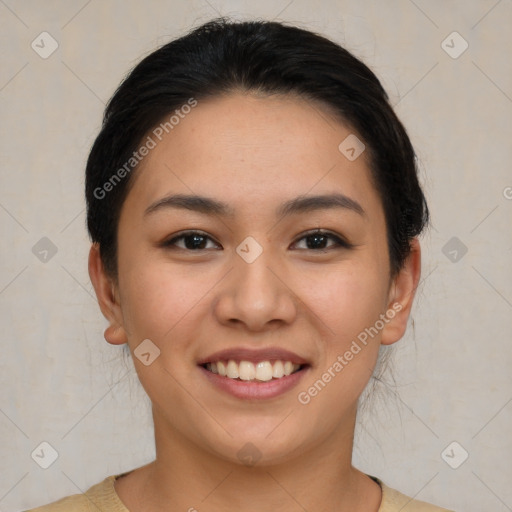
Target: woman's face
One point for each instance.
(256, 284)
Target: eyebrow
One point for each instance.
(300, 204)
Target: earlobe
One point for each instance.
(107, 300)
(401, 296)
(115, 335)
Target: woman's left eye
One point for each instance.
(316, 240)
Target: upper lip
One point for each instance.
(254, 356)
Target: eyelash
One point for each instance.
(340, 243)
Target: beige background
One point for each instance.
(62, 383)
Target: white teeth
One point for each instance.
(264, 371)
(248, 371)
(278, 370)
(288, 368)
(232, 370)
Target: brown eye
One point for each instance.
(318, 240)
(192, 241)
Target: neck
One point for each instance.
(186, 477)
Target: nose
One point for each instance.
(255, 295)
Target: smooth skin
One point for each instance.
(253, 153)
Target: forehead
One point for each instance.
(242, 147)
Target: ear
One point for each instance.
(401, 296)
(106, 293)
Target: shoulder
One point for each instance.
(394, 501)
(101, 496)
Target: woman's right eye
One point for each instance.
(192, 240)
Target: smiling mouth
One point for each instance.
(262, 371)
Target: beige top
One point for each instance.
(103, 496)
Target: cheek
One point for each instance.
(159, 299)
(349, 304)
(347, 300)
(163, 304)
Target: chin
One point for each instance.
(260, 446)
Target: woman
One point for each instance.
(254, 208)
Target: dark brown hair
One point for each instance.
(265, 57)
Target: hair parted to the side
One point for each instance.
(264, 57)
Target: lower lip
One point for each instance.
(255, 390)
